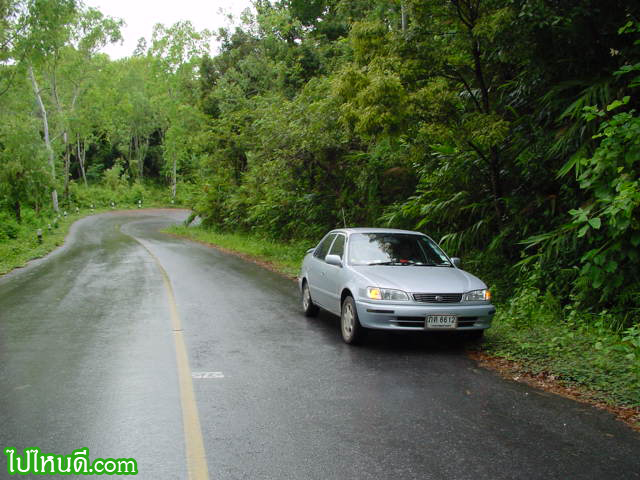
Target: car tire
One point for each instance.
(309, 308)
(352, 331)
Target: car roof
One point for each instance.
(349, 231)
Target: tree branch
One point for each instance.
(461, 15)
(468, 89)
(482, 156)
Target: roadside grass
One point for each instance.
(19, 242)
(284, 257)
(16, 252)
(575, 350)
(578, 350)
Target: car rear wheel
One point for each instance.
(309, 308)
(352, 331)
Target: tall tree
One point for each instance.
(45, 35)
(176, 54)
(59, 41)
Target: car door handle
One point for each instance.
(323, 273)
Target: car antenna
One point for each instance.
(344, 219)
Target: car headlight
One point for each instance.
(477, 296)
(375, 293)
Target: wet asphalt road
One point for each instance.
(88, 359)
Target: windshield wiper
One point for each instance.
(409, 263)
(420, 264)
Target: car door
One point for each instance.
(333, 279)
(316, 273)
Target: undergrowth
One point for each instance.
(580, 349)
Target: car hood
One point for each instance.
(420, 279)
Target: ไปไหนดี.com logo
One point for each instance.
(32, 461)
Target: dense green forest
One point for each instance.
(507, 130)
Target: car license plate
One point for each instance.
(441, 321)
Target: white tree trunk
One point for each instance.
(47, 139)
(67, 164)
(65, 133)
(404, 16)
(174, 185)
(82, 152)
(143, 147)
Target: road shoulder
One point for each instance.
(506, 368)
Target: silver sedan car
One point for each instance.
(393, 280)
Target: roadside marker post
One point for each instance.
(39, 234)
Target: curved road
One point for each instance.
(137, 344)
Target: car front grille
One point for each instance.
(415, 322)
(467, 321)
(437, 297)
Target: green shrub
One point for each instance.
(581, 349)
(136, 193)
(115, 177)
(9, 227)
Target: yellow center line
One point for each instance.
(194, 444)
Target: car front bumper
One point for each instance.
(412, 316)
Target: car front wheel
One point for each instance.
(352, 331)
(309, 308)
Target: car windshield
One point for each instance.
(395, 249)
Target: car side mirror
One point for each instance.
(333, 260)
(455, 261)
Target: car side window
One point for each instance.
(338, 246)
(323, 248)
